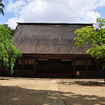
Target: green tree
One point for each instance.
(8, 53)
(93, 35)
(1, 7)
(10, 29)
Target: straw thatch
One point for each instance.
(44, 38)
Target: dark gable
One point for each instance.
(47, 38)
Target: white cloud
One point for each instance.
(13, 22)
(15, 7)
(91, 17)
(64, 11)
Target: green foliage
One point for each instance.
(8, 53)
(95, 36)
(1, 7)
(101, 22)
(10, 29)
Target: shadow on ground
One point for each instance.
(78, 99)
(14, 95)
(84, 83)
(89, 83)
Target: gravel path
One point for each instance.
(53, 96)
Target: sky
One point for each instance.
(52, 11)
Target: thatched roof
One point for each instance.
(47, 38)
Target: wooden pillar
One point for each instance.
(86, 64)
(74, 68)
(22, 64)
(98, 66)
(35, 61)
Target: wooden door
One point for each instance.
(54, 65)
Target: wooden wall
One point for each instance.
(32, 64)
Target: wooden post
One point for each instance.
(74, 68)
(35, 61)
(98, 66)
(86, 65)
(22, 64)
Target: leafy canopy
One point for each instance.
(1, 7)
(8, 53)
(10, 29)
(93, 35)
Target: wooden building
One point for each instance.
(49, 50)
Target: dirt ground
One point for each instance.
(83, 92)
(23, 91)
(32, 91)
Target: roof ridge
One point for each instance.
(55, 23)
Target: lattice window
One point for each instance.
(26, 61)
